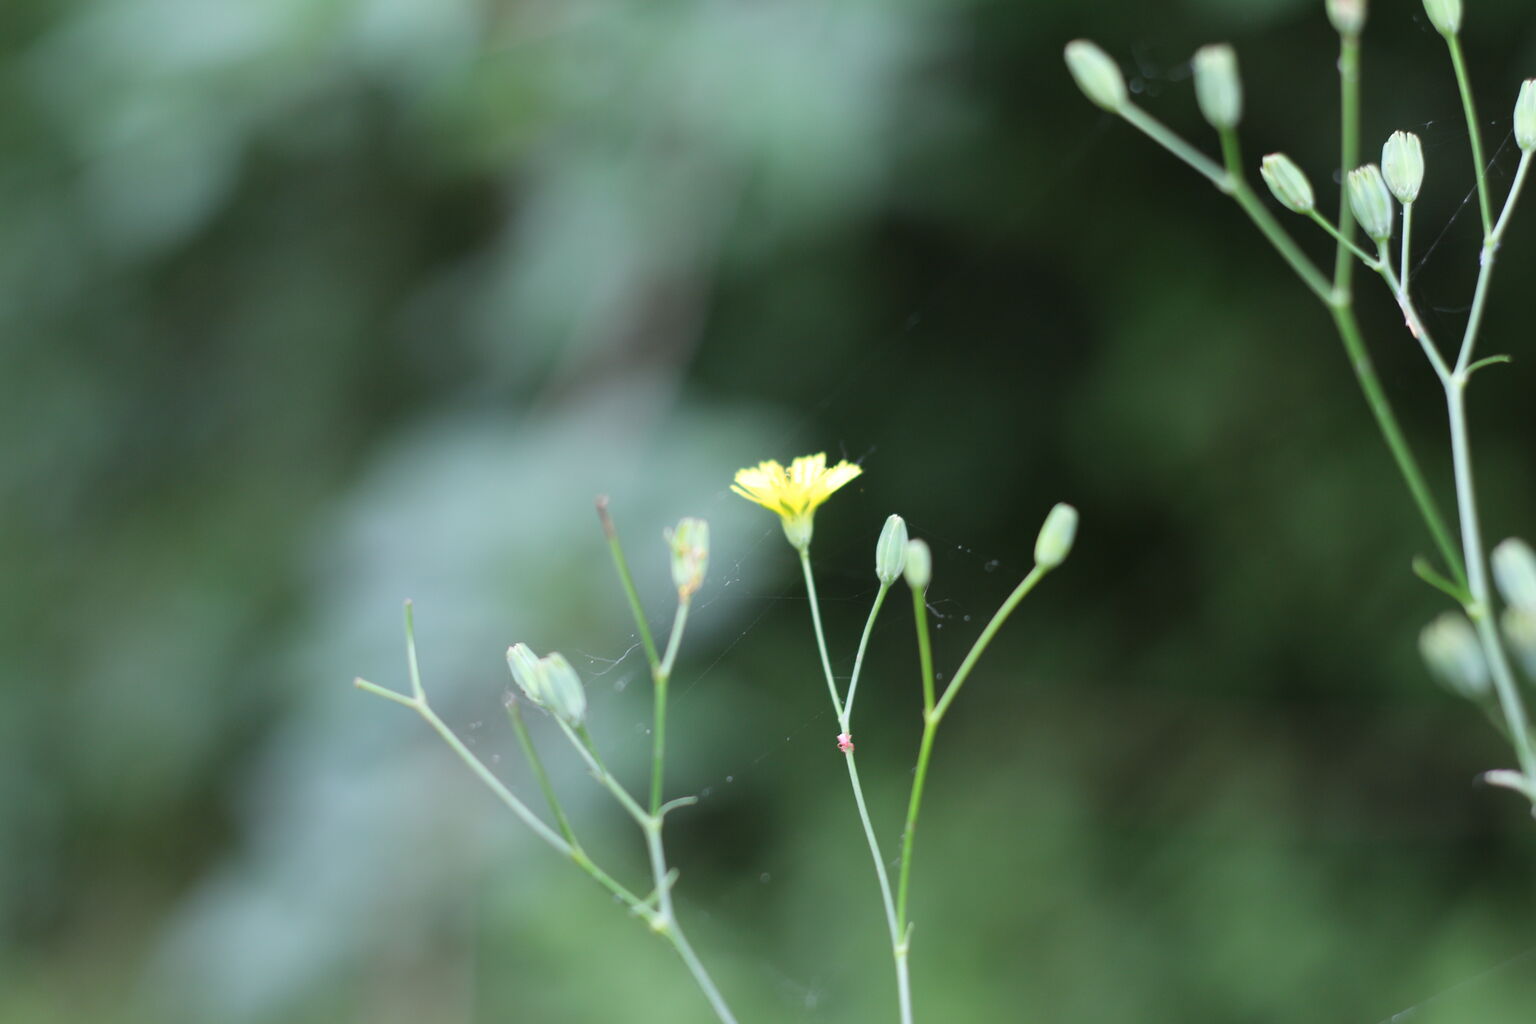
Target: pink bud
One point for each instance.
(845, 742)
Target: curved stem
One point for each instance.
(1480, 611)
(858, 661)
(821, 639)
(979, 647)
(515, 714)
(924, 646)
(1474, 131)
(1349, 155)
(903, 984)
(661, 675)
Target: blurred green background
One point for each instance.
(310, 306)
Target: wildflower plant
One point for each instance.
(1463, 647)
(550, 684)
(795, 495)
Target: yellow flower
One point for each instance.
(794, 493)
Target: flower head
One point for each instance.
(794, 493)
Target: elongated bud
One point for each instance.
(527, 672)
(1525, 116)
(1217, 87)
(1450, 649)
(564, 695)
(891, 550)
(1054, 543)
(689, 542)
(1520, 633)
(1514, 570)
(1288, 183)
(1371, 201)
(1347, 16)
(1402, 166)
(919, 567)
(1096, 73)
(1445, 15)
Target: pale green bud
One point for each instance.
(1445, 15)
(1371, 201)
(1288, 182)
(1525, 116)
(527, 672)
(1520, 633)
(891, 550)
(919, 565)
(1402, 165)
(564, 695)
(1056, 536)
(690, 555)
(1096, 74)
(1450, 649)
(1514, 570)
(1217, 87)
(1347, 16)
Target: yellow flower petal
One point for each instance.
(796, 493)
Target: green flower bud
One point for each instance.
(1371, 202)
(891, 550)
(564, 695)
(1450, 649)
(919, 566)
(690, 555)
(1445, 15)
(1525, 116)
(1402, 166)
(1288, 182)
(1514, 570)
(1520, 633)
(1096, 74)
(1056, 536)
(527, 672)
(1217, 86)
(1348, 16)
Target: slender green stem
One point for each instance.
(821, 639)
(898, 952)
(933, 714)
(914, 805)
(1349, 155)
(515, 714)
(661, 919)
(410, 653)
(664, 922)
(1485, 269)
(1386, 422)
(1270, 228)
(674, 934)
(1416, 325)
(1480, 611)
(1497, 234)
(1407, 232)
(662, 677)
(1474, 131)
(581, 739)
(622, 565)
(1327, 226)
(924, 646)
(1169, 140)
(858, 661)
(980, 646)
(903, 983)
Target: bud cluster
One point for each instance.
(550, 682)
